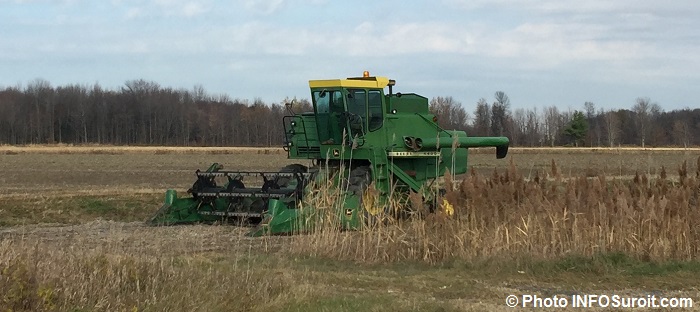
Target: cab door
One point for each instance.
(330, 108)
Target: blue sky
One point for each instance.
(541, 53)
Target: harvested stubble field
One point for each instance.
(592, 222)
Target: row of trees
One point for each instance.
(139, 113)
(645, 124)
(144, 113)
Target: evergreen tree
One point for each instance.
(577, 128)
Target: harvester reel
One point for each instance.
(270, 185)
(201, 184)
(234, 184)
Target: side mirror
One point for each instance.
(290, 106)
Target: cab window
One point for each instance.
(375, 110)
(357, 109)
(357, 102)
(329, 111)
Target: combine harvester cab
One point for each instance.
(356, 137)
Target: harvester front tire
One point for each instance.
(359, 180)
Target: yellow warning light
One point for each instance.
(365, 74)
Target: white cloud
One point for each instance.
(256, 37)
(264, 6)
(575, 6)
(536, 44)
(475, 43)
(191, 9)
(176, 8)
(364, 40)
(550, 44)
(132, 13)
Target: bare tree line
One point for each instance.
(644, 124)
(139, 113)
(145, 113)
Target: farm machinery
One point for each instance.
(357, 137)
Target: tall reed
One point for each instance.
(549, 215)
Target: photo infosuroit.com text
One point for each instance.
(597, 301)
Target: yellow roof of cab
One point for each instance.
(360, 82)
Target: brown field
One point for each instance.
(71, 236)
(125, 170)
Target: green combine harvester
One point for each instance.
(357, 137)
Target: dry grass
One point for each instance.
(115, 266)
(506, 216)
(111, 266)
(108, 266)
(567, 230)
